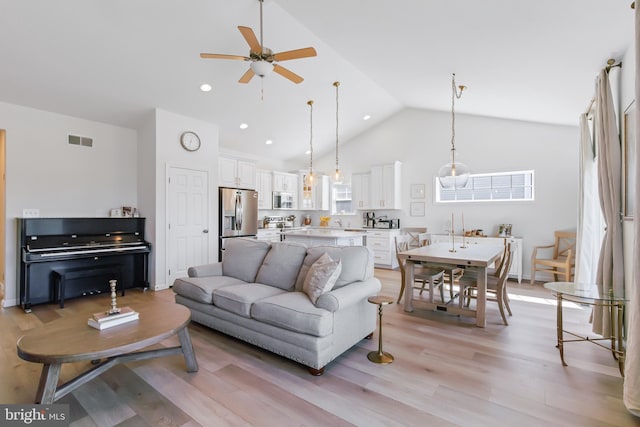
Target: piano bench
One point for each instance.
(62, 275)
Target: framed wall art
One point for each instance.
(417, 191)
(629, 147)
(417, 209)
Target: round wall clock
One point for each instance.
(190, 141)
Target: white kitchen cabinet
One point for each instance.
(382, 243)
(318, 197)
(517, 242)
(236, 173)
(324, 237)
(264, 185)
(268, 235)
(386, 182)
(285, 182)
(361, 190)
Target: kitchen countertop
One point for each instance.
(330, 233)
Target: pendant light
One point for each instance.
(454, 174)
(337, 177)
(309, 177)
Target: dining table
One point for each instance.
(472, 258)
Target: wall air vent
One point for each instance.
(80, 140)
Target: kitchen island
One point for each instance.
(326, 237)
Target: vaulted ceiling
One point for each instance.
(113, 61)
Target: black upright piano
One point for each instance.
(111, 248)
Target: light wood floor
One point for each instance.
(447, 372)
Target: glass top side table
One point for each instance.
(569, 291)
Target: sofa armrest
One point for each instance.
(349, 294)
(204, 270)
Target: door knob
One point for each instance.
(205, 231)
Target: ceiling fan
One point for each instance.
(263, 60)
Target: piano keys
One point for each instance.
(49, 247)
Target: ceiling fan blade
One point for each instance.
(295, 54)
(246, 77)
(251, 39)
(223, 56)
(287, 74)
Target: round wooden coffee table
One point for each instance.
(71, 340)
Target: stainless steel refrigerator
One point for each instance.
(238, 215)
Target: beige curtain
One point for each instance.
(610, 275)
(631, 391)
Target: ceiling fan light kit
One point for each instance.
(261, 68)
(263, 60)
(454, 174)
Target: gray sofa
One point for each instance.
(256, 294)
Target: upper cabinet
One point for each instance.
(264, 185)
(386, 186)
(361, 190)
(236, 173)
(285, 182)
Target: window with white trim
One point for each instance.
(490, 187)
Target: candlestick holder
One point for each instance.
(114, 309)
(453, 242)
(464, 243)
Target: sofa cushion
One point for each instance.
(238, 298)
(321, 277)
(282, 264)
(201, 288)
(357, 263)
(295, 312)
(243, 257)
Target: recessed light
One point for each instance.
(268, 142)
(366, 117)
(205, 87)
(243, 125)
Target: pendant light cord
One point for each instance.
(454, 94)
(310, 137)
(337, 84)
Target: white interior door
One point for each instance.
(188, 221)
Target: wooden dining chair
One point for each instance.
(414, 234)
(557, 258)
(425, 276)
(496, 286)
(451, 276)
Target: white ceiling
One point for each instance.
(113, 61)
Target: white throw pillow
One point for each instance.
(322, 276)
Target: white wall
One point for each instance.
(169, 153)
(45, 172)
(421, 140)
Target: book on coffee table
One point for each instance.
(103, 316)
(103, 320)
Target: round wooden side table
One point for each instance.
(380, 356)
